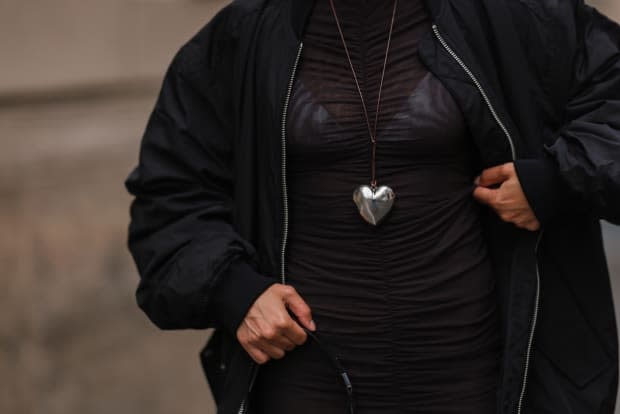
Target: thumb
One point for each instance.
(493, 175)
(485, 195)
(300, 309)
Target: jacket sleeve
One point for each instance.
(195, 270)
(580, 171)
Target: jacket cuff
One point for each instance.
(235, 292)
(542, 186)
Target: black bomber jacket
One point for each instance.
(538, 82)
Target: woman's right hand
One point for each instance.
(268, 330)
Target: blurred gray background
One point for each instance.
(78, 79)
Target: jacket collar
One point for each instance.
(300, 10)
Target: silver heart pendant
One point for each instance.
(375, 204)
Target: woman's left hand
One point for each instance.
(499, 188)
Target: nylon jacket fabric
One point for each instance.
(538, 83)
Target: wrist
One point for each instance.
(235, 292)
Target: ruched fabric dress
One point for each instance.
(409, 305)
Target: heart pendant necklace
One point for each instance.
(373, 202)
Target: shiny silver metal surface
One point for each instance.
(374, 205)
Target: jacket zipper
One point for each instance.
(488, 103)
(534, 318)
(242, 408)
(485, 97)
(284, 186)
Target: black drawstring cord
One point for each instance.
(336, 361)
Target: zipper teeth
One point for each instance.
(534, 319)
(479, 86)
(242, 407)
(284, 185)
(513, 153)
(289, 89)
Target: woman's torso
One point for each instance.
(409, 305)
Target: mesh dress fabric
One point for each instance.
(409, 305)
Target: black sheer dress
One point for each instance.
(409, 305)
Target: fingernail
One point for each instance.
(477, 180)
(312, 325)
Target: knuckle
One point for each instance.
(281, 324)
(269, 333)
(505, 216)
(289, 290)
(252, 340)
